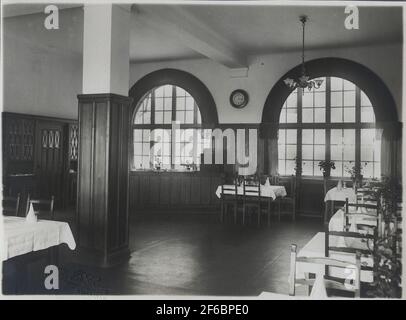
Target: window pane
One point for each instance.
(307, 136)
(349, 98)
(291, 102)
(319, 99)
(159, 104)
(180, 116)
(290, 167)
(189, 103)
(336, 83)
(336, 99)
(367, 114)
(319, 152)
(286, 151)
(137, 135)
(282, 117)
(320, 115)
(307, 100)
(342, 149)
(371, 153)
(365, 102)
(319, 136)
(290, 151)
(189, 116)
(336, 115)
(291, 136)
(291, 115)
(349, 114)
(307, 152)
(307, 168)
(281, 151)
(348, 85)
(307, 115)
(281, 167)
(282, 136)
(168, 117)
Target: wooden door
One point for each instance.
(50, 160)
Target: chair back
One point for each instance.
(327, 262)
(229, 191)
(42, 207)
(11, 205)
(251, 188)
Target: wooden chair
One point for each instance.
(362, 242)
(329, 283)
(330, 206)
(42, 207)
(11, 205)
(251, 197)
(289, 199)
(229, 196)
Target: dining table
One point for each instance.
(316, 246)
(267, 191)
(20, 236)
(340, 194)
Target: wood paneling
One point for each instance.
(36, 146)
(172, 190)
(103, 177)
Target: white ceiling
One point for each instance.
(245, 29)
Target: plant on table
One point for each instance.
(326, 166)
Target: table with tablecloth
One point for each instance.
(267, 191)
(316, 246)
(20, 237)
(342, 194)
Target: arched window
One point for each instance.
(157, 144)
(335, 122)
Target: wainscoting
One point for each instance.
(173, 190)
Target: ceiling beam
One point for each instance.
(187, 29)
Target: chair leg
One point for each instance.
(243, 214)
(222, 212)
(235, 213)
(269, 213)
(279, 210)
(259, 215)
(294, 211)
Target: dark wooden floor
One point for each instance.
(186, 255)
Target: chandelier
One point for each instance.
(303, 81)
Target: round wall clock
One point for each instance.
(239, 98)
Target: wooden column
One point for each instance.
(102, 209)
(102, 206)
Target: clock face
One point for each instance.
(239, 98)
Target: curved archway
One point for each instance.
(182, 79)
(379, 94)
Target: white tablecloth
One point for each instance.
(20, 237)
(315, 248)
(340, 195)
(267, 191)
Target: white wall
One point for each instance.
(265, 71)
(43, 81)
(40, 81)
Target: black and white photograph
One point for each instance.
(210, 150)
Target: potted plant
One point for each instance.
(387, 247)
(355, 173)
(326, 166)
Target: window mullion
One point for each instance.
(299, 130)
(328, 119)
(358, 127)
